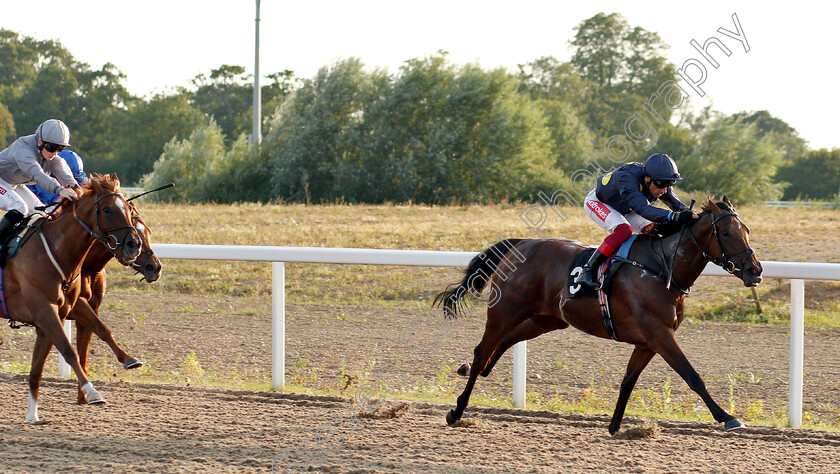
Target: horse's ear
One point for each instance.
(726, 201)
(709, 204)
(114, 177)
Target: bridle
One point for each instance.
(106, 236)
(140, 262)
(725, 261)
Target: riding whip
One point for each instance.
(159, 188)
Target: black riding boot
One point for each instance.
(589, 276)
(7, 223)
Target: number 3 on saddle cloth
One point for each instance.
(605, 273)
(7, 251)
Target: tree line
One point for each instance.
(431, 132)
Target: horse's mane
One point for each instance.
(108, 181)
(709, 204)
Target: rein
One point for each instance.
(106, 238)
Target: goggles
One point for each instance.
(52, 147)
(662, 183)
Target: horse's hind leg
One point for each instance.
(39, 356)
(528, 329)
(493, 333)
(640, 358)
(669, 349)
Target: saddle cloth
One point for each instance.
(605, 271)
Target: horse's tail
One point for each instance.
(476, 277)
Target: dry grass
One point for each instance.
(794, 234)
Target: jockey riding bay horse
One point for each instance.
(531, 296)
(42, 281)
(86, 309)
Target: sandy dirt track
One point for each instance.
(165, 428)
(177, 428)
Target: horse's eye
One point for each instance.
(725, 233)
(106, 210)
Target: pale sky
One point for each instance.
(790, 69)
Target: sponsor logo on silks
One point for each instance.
(606, 178)
(598, 209)
(2, 191)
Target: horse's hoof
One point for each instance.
(464, 370)
(734, 424)
(613, 430)
(450, 418)
(95, 398)
(133, 363)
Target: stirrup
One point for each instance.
(586, 278)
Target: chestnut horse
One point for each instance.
(530, 297)
(42, 281)
(86, 309)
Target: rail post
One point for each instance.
(278, 325)
(520, 368)
(797, 343)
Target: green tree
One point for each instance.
(144, 130)
(732, 159)
(785, 137)
(563, 94)
(310, 135)
(185, 162)
(227, 96)
(625, 65)
(7, 127)
(814, 176)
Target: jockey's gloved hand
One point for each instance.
(68, 193)
(683, 217)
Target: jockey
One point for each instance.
(77, 167)
(28, 160)
(620, 203)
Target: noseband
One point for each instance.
(726, 261)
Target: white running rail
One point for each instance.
(797, 272)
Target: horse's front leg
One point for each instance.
(54, 331)
(666, 345)
(640, 358)
(39, 356)
(86, 316)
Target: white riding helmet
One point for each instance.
(54, 131)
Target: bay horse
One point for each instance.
(42, 281)
(531, 297)
(85, 310)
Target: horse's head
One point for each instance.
(108, 217)
(147, 263)
(729, 246)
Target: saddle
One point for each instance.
(13, 242)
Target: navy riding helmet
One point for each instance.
(662, 167)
